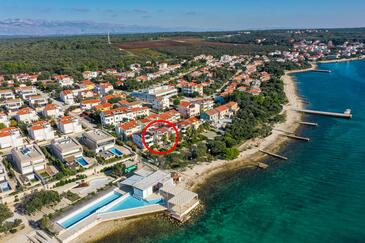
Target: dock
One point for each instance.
(346, 115)
(297, 137)
(309, 123)
(321, 71)
(273, 154)
(262, 165)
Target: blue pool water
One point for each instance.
(5, 186)
(81, 161)
(116, 152)
(89, 209)
(132, 202)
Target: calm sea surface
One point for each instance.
(318, 195)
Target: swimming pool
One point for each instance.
(5, 186)
(116, 152)
(87, 210)
(82, 161)
(132, 202)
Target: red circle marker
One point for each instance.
(170, 124)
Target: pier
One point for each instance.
(297, 137)
(309, 123)
(273, 155)
(321, 71)
(345, 114)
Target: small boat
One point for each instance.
(347, 111)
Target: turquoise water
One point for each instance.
(132, 202)
(317, 195)
(82, 161)
(116, 152)
(89, 209)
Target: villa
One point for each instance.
(28, 159)
(26, 91)
(4, 119)
(98, 140)
(10, 137)
(89, 104)
(37, 101)
(7, 94)
(13, 104)
(68, 97)
(63, 80)
(41, 131)
(26, 115)
(127, 129)
(52, 111)
(66, 148)
(118, 115)
(69, 124)
(188, 109)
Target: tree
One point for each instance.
(231, 153)
(2, 125)
(216, 147)
(13, 123)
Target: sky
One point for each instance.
(199, 14)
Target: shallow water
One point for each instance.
(317, 195)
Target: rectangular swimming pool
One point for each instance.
(132, 202)
(115, 151)
(81, 161)
(89, 209)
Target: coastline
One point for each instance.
(249, 157)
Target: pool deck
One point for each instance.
(95, 219)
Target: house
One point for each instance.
(115, 116)
(52, 111)
(13, 104)
(151, 94)
(4, 119)
(66, 148)
(190, 88)
(6, 94)
(144, 183)
(69, 124)
(134, 104)
(98, 140)
(161, 103)
(105, 88)
(104, 107)
(127, 129)
(67, 97)
(90, 74)
(63, 80)
(205, 104)
(89, 104)
(85, 94)
(26, 91)
(171, 116)
(190, 122)
(27, 115)
(10, 137)
(28, 159)
(3, 175)
(41, 131)
(211, 115)
(86, 85)
(37, 101)
(137, 139)
(188, 109)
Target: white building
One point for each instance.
(4, 119)
(41, 131)
(10, 137)
(90, 74)
(13, 104)
(37, 101)
(151, 94)
(64, 80)
(66, 148)
(7, 94)
(68, 124)
(28, 159)
(26, 91)
(188, 109)
(26, 115)
(118, 115)
(161, 103)
(192, 88)
(67, 97)
(98, 140)
(52, 111)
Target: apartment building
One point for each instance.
(13, 104)
(151, 94)
(127, 129)
(28, 159)
(188, 109)
(26, 115)
(98, 140)
(69, 124)
(66, 148)
(6, 94)
(52, 111)
(118, 115)
(10, 137)
(41, 131)
(26, 91)
(68, 97)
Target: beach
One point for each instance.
(249, 157)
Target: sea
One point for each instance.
(317, 195)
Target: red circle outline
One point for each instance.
(170, 124)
